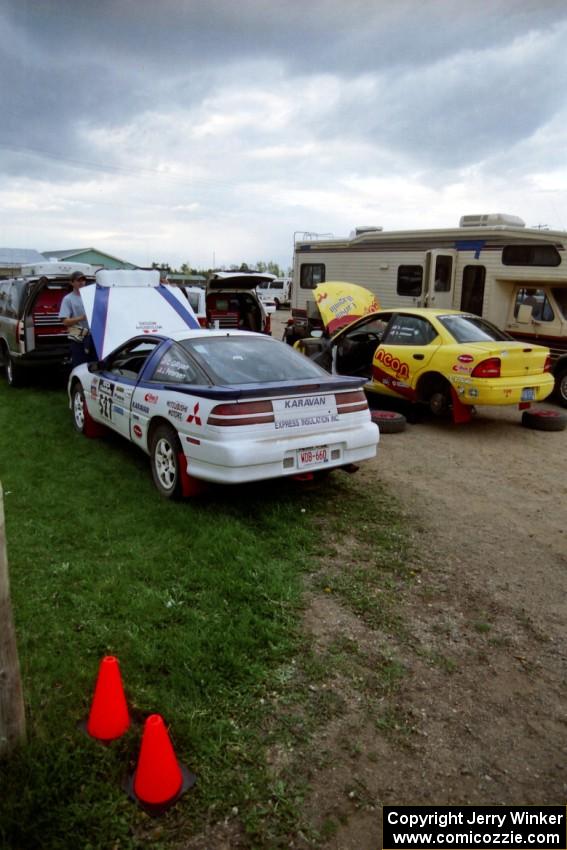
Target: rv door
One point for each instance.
(440, 279)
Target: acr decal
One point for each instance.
(151, 398)
(394, 363)
(106, 387)
(143, 408)
(194, 416)
(105, 393)
(137, 431)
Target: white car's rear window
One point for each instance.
(251, 360)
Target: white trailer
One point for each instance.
(491, 265)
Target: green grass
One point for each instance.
(200, 601)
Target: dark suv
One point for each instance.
(31, 333)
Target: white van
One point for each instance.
(277, 290)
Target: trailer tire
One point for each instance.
(388, 421)
(544, 420)
(561, 387)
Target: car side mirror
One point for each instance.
(96, 366)
(316, 334)
(525, 312)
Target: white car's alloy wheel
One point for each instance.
(165, 463)
(79, 409)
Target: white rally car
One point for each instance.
(222, 406)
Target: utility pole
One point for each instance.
(12, 713)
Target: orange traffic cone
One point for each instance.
(159, 779)
(108, 718)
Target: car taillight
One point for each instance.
(547, 367)
(203, 321)
(351, 402)
(487, 368)
(242, 413)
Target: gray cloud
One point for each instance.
(221, 106)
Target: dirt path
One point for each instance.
(484, 691)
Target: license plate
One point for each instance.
(312, 457)
(528, 394)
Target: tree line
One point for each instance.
(271, 267)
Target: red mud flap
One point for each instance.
(303, 476)
(189, 486)
(91, 428)
(461, 412)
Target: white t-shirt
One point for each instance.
(71, 306)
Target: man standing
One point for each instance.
(72, 314)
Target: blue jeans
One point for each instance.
(82, 351)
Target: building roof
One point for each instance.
(19, 256)
(75, 252)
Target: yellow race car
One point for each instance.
(445, 358)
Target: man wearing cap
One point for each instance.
(72, 314)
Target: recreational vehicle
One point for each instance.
(491, 265)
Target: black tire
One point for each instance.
(388, 421)
(13, 372)
(544, 420)
(439, 400)
(79, 408)
(561, 388)
(164, 455)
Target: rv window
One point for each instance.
(443, 273)
(530, 255)
(542, 310)
(560, 296)
(410, 280)
(311, 275)
(472, 294)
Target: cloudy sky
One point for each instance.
(209, 131)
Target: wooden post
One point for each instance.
(12, 714)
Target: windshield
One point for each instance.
(472, 329)
(560, 296)
(251, 360)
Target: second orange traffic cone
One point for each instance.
(109, 717)
(159, 779)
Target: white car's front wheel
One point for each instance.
(165, 458)
(78, 406)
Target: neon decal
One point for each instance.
(400, 369)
